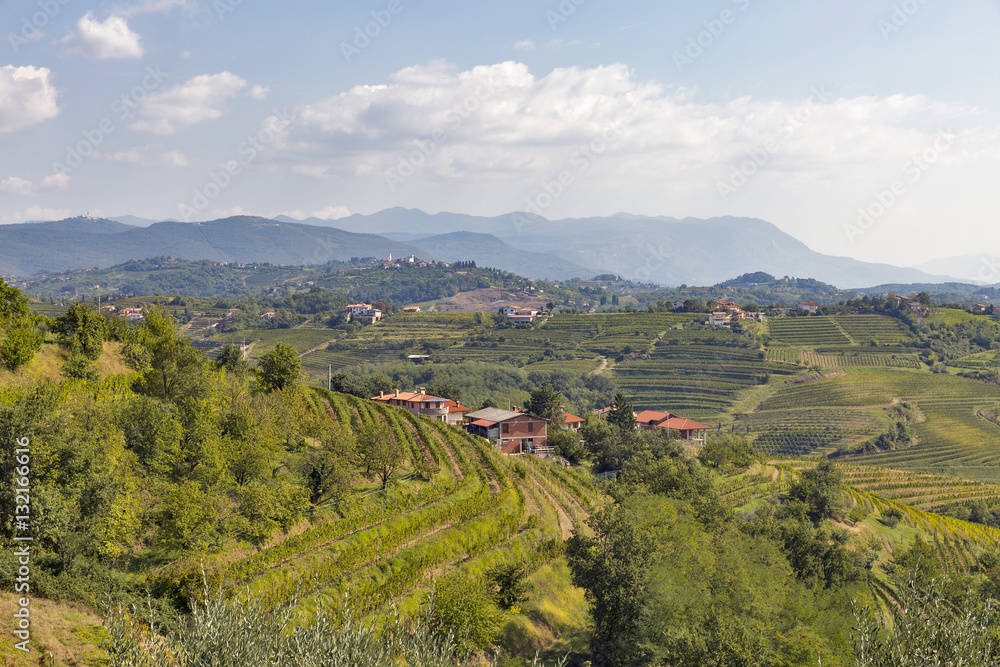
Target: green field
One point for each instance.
(952, 439)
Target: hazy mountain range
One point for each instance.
(660, 250)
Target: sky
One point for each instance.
(864, 128)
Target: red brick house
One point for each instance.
(510, 431)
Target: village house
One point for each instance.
(411, 309)
(133, 314)
(811, 306)
(684, 429)
(421, 404)
(718, 319)
(572, 422)
(510, 431)
(363, 312)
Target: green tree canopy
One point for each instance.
(622, 414)
(279, 369)
(12, 302)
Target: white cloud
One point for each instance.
(105, 40)
(258, 92)
(505, 136)
(17, 186)
(152, 155)
(524, 45)
(56, 181)
(331, 213)
(27, 97)
(501, 121)
(201, 99)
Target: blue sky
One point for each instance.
(864, 128)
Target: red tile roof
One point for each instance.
(484, 422)
(681, 424)
(652, 417)
(572, 419)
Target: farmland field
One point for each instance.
(809, 331)
(952, 439)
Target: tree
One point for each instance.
(612, 567)
(546, 403)
(820, 489)
(279, 369)
(12, 302)
(177, 370)
(567, 444)
(463, 607)
(231, 358)
(326, 467)
(509, 584)
(83, 330)
(381, 453)
(20, 344)
(622, 414)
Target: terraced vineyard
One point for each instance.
(956, 543)
(857, 357)
(805, 431)
(865, 329)
(475, 509)
(811, 331)
(952, 440)
(696, 372)
(932, 493)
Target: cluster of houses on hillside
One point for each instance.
(728, 311)
(518, 432)
(362, 312)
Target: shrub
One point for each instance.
(891, 517)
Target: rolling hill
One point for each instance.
(660, 249)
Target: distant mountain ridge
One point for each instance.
(29, 249)
(661, 250)
(84, 242)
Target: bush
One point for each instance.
(462, 606)
(891, 517)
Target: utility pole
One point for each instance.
(329, 378)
